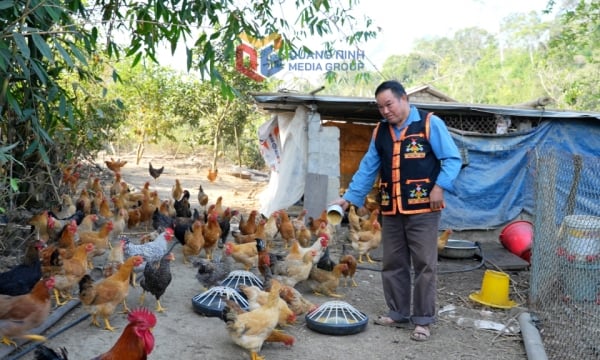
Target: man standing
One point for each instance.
(417, 161)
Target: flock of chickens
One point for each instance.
(83, 247)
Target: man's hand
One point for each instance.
(436, 198)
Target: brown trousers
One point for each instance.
(406, 239)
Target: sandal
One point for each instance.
(388, 321)
(421, 333)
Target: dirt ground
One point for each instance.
(181, 333)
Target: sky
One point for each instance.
(402, 22)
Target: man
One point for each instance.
(417, 161)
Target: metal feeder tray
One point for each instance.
(337, 318)
(210, 302)
(241, 277)
(459, 249)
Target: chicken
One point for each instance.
(86, 201)
(250, 330)
(249, 225)
(70, 273)
(286, 228)
(119, 223)
(323, 282)
(21, 313)
(257, 298)
(365, 241)
(325, 262)
(212, 272)
(136, 341)
(271, 229)
(115, 259)
(264, 257)
(71, 177)
(115, 165)
(367, 224)
(319, 245)
(296, 302)
(314, 224)
(325, 230)
(157, 277)
(115, 188)
(259, 233)
(177, 190)
(155, 172)
(349, 260)
(43, 352)
(443, 239)
(40, 225)
(212, 174)
(22, 278)
(152, 251)
(182, 206)
(225, 224)
(104, 209)
(245, 254)
(303, 235)
(219, 209)
(202, 198)
(67, 207)
(102, 298)
(100, 239)
(87, 223)
(291, 271)
(353, 218)
(193, 241)
(134, 218)
(212, 233)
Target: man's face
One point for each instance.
(393, 109)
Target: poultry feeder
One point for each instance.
(337, 318)
(241, 277)
(211, 303)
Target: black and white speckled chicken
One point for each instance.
(151, 251)
(210, 273)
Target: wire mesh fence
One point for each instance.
(565, 271)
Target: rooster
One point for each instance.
(135, 343)
(154, 172)
(115, 165)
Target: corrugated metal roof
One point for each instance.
(362, 109)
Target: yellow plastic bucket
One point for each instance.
(494, 290)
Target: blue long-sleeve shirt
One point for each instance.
(443, 146)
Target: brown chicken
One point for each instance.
(104, 209)
(323, 282)
(103, 297)
(69, 274)
(115, 165)
(21, 313)
(71, 177)
(367, 224)
(349, 260)
(365, 241)
(100, 239)
(257, 298)
(286, 228)
(303, 235)
(202, 198)
(212, 233)
(212, 174)
(155, 172)
(86, 201)
(259, 233)
(177, 190)
(296, 302)
(193, 241)
(249, 330)
(245, 254)
(248, 226)
(40, 225)
(66, 239)
(271, 229)
(136, 341)
(290, 272)
(115, 259)
(115, 188)
(443, 239)
(314, 224)
(119, 223)
(353, 218)
(134, 218)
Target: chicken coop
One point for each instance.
(518, 161)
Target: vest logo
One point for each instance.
(258, 58)
(414, 150)
(418, 195)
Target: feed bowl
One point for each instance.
(459, 249)
(241, 277)
(211, 303)
(337, 318)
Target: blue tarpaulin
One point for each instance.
(499, 181)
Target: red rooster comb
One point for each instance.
(142, 315)
(324, 236)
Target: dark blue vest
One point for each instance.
(409, 168)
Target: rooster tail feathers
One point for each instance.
(43, 352)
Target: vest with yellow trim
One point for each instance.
(409, 168)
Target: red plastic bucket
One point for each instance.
(517, 238)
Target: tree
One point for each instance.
(45, 42)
